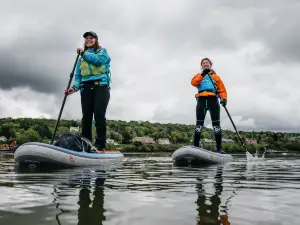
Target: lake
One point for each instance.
(148, 189)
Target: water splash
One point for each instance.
(256, 157)
(249, 156)
(263, 156)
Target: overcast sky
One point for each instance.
(156, 47)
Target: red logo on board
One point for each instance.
(71, 158)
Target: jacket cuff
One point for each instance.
(76, 88)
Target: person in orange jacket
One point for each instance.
(207, 99)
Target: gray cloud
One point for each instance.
(155, 48)
(274, 24)
(39, 61)
(18, 73)
(282, 37)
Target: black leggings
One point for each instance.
(94, 101)
(208, 103)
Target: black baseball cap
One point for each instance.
(91, 33)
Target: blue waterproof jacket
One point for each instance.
(93, 65)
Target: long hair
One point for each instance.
(96, 46)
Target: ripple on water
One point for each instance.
(153, 191)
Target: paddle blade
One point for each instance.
(249, 156)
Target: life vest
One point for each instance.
(207, 85)
(102, 72)
(88, 69)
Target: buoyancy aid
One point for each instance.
(206, 88)
(89, 71)
(207, 85)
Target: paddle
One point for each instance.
(229, 117)
(64, 101)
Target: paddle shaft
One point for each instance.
(228, 114)
(65, 98)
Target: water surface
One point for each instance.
(150, 190)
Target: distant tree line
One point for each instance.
(25, 130)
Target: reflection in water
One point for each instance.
(153, 191)
(209, 213)
(90, 198)
(94, 214)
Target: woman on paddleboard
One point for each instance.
(92, 78)
(207, 99)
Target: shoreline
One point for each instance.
(144, 136)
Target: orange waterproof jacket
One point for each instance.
(196, 80)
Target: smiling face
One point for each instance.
(90, 41)
(205, 64)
